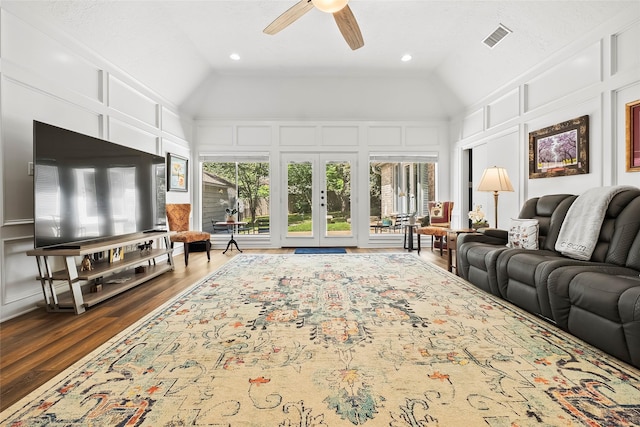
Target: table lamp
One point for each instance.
(495, 179)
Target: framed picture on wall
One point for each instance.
(633, 136)
(559, 150)
(178, 173)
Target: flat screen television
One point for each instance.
(89, 189)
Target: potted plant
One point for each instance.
(477, 218)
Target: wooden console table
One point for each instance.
(113, 277)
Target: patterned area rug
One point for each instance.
(337, 340)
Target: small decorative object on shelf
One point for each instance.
(86, 264)
(146, 246)
(116, 254)
(477, 218)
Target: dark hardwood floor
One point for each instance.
(38, 345)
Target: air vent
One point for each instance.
(495, 37)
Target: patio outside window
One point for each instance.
(399, 187)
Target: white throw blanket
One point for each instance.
(581, 227)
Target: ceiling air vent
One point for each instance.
(495, 37)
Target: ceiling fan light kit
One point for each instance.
(341, 11)
(330, 6)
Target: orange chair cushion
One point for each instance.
(190, 236)
(432, 230)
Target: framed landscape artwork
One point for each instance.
(633, 136)
(559, 150)
(177, 171)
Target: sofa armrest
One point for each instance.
(497, 233)
(482, 237)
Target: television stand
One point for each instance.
(51, 248)
(106, 278)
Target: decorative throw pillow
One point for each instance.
(435, 210)
(523, 234)
(440, 213)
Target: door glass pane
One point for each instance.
(238, 189)
(300, 197)
(397, 190)
(338, 198)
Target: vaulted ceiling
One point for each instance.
(173, 46)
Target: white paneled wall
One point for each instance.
(384, 136)
(596, 77)
(127, 100)
(254, 136)
(340, 136)
(568, 75)
(503, 109)
(47, 80)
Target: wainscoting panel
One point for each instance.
(21, 105)
(19, 273)
(129, 101)
(420, 136)
(254, 136)
(626, 53)
(172, 124)
(214, 135)
(385, 136)
(504, 108)
(125, 134)
(24, 45)
(570, 75)
(298, 136)
(339, 136)
(473, 123)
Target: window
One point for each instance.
(236, 183)
(399, 186)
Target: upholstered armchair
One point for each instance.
(178, 217)
(440, 221)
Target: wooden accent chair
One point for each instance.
(440, 217)
(178, 217)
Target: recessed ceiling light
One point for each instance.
(406, 57)
(235, 57)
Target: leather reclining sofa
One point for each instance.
(597, 300)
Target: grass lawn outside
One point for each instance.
(305, 226)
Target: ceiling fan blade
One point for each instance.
(349, 27)
(289, 17)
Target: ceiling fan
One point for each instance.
(341, 13)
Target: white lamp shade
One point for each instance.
(330, 6)
(495, 179)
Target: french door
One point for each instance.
(317, 199)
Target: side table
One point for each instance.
(408, 236)
(233, 226)
(452, 245)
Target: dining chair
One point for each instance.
(178, 218)
(440, 222)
